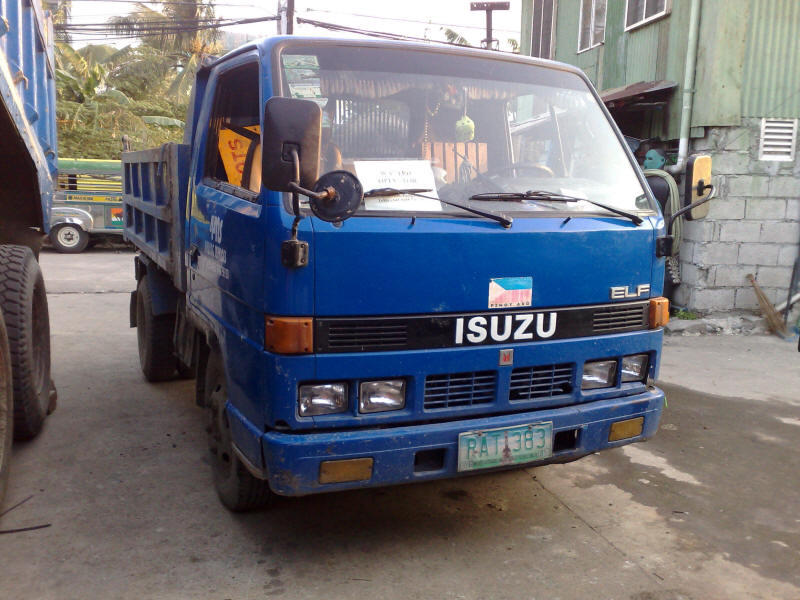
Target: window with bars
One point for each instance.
(592, 24)
(778, 139)
(639, 12)
(543, 28)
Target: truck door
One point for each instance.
(226, 246)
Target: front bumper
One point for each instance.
(293, 460)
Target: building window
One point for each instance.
(593, 24)
(639, 12)
(778, 139)
(543, 28)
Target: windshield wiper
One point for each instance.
(504, 220)
(552, 197)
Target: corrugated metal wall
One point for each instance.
(771, 83)
(748, 57)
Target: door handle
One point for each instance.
(194, 252)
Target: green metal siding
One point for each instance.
(720, 57)
(748, 62)
(771, 81)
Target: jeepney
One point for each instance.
(88, 203)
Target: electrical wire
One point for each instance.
(450, 25)
(371, 33)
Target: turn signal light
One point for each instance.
(289, 335)
(659, 312)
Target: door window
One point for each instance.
(233, 156)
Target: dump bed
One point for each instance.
(155, 184)
(27, 113)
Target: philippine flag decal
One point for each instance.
(510, 292)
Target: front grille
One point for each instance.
(530, 383)
(352, 337)
(620, 318)
(460, 389)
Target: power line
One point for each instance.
(371, 33)
(175, 3)
(165, 25)
(450, 25)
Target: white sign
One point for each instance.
(399, 174)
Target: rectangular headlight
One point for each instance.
(380, 396)
(599, 374)
(634, 367)
(322, 399)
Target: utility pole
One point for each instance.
(290, 17)
(286, 14)
(489, 43)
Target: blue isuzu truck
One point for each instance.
(389, 262)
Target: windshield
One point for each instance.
(460, 126)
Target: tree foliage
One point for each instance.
(104, 93)
(140, 91)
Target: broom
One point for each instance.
(774, 320)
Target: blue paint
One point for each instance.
(27, 92)
(376, 266)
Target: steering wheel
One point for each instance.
(521, 167)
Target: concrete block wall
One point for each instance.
(753, 225)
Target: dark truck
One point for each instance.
(27, 171)
(473, 283)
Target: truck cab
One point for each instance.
(491, 299)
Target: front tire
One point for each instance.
(237, 488)
(24, 303)
(69, 238)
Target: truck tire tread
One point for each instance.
(24, 302)
(236, 487)
(154, 334)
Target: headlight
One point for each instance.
(380, 396)
(634, 367)
(322, 399)
(599, 374)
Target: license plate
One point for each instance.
(504, 446)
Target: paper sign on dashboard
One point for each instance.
(400, 174)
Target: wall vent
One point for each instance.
(778, 139)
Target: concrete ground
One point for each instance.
(708, 509)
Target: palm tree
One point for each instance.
(179, 31)
(177, 27)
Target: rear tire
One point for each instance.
(24, 303)
(6, 410)
(237, 488)
(154, 335)
(69, 238)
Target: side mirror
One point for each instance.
(290, 125)
(698, 182)
(338, 195)
(695, 204)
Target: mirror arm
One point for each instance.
(294, 253)
(665, 242)
(691, 206)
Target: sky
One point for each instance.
(417, 18)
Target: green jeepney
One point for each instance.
(87, 204)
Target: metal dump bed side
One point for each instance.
(27, 115)
(155, 184)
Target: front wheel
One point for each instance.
(69, 238)
(237, 488)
